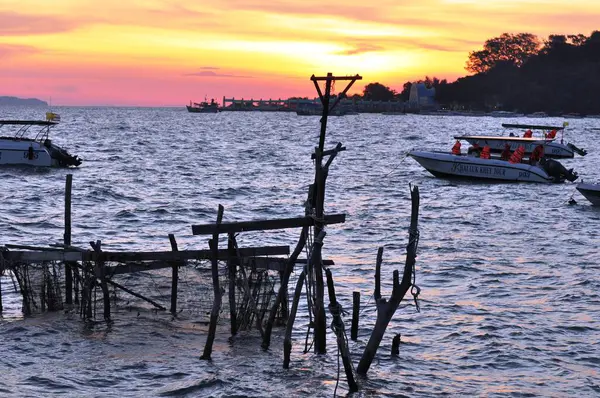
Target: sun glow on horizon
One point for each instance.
(161, 52)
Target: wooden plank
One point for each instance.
(39, 256)
(262, 225)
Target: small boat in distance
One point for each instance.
(36, 151)
(590, 191)
(203, 107)
(552, 148)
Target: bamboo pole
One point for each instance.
(214, 313)
(386, 309)
(174, 276)
(67, 240)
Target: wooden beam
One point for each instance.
(262, 225)
(55, 255)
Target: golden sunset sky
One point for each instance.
(168, 52)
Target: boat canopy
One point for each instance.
(27, 122)
(531, 126)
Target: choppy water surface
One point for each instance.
(508, 272)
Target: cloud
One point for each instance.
(7, 50)
(361, 48)
(209, 71)
(15, 24)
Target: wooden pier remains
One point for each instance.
(235, 271)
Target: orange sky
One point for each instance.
(168, 52)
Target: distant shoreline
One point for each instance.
(6, 100)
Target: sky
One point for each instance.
(171, 52)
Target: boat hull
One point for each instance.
(25, 152)
(552, 149)
(442, 164)
(195, 109)
(590, 191)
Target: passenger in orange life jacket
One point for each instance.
(528, 134)
(536, 155)
(517, 155)
(505, 155)
(485, 154)
(551, 134)
(456, 148)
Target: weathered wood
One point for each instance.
(100, 274)
(340, 332)
(119, 286)
(355, 315)
(396, 345)
(67, 240)
(231, 269)
(377, 293)
(214, 313)
(122, 257)
(287, 340)
(263, 225)
(328, 152)
(174, 275)
(386, 309)
(281, 294)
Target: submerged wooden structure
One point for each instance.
(88, 271)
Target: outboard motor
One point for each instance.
(557, 171)
(581, 152)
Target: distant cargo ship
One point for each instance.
(203, 107)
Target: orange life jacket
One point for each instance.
(528, 134)
(456, 148)
(537, 154)
(505, 155)
(517, 155)
(551, 134)
(485, 153)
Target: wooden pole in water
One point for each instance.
(396, 345)
(339, 330)
(231, 269)
(67, 240)
(287, 340)
(174, 276)
(289, 268)
(355, 315)
(386, 309)
(99, 271)
(214, 313)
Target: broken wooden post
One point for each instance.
(214, 313)
(355, 315)
(396, 345)
(386, 309)
(289, 268)
(287, 340)
(231, 270)
(99, 273)
(67, 240)
(174, 276)
(340, 331)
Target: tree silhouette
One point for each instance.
(378, 92)
(508, 48)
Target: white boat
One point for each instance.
(537, 115)
(590, 191)
(443, 164)
(552, 147)
(36, 151)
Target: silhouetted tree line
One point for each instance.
(517, 72)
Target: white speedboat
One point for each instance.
(36, 151)
(552, 147)
(443, 164)
(590, 191)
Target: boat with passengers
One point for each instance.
(547, 138)
(488, 168)
(33, 150)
